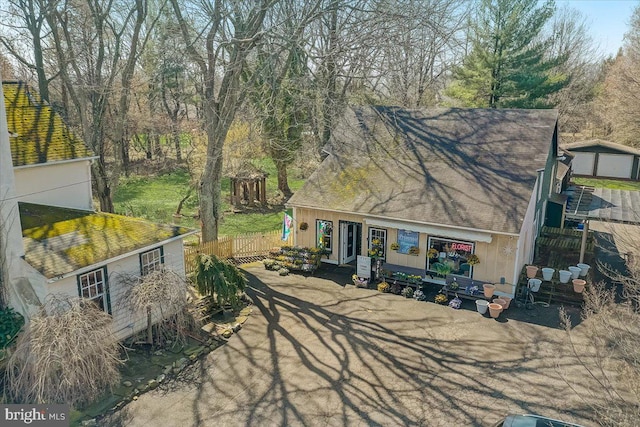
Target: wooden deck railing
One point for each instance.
(243, 246)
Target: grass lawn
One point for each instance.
(156, 198)
(613, 184)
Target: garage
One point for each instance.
(583, 163)
(604, 159)
(615, 165)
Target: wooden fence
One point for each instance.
(243, 246)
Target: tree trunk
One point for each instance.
(102, 188)
(283, 183)
(176, 140)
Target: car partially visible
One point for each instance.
(530, 420)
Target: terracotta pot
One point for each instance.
(488, 290)
(495, 310)
(500, 301)
(578, 285)
(507, 301)
(532, 270)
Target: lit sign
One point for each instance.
(464, 247)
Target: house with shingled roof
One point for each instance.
(55, 243)
(427, 187)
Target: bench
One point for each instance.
(389, 276)
(464, 283)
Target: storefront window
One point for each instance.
(446, 256)
(324, 234)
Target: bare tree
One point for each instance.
(96, 43)
(230, 32)
(423, 43)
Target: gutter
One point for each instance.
(57, 162)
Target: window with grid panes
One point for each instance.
(379, 235)
(151, 261)
(93, 286)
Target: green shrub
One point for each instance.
(10, 324)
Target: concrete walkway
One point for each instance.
(318, 353)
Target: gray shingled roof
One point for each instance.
(601, 143)
(472, 168)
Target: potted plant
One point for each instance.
(473, 259)
(359, 281)
(394, 246)
(433, 253)
(407, 292)
(414, 250)
(383, 287)
(442, 268)
(441, 299)
(304, 226)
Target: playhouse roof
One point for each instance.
(58, 240)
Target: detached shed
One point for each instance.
(604, 159)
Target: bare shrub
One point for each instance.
(164, 296)
(606, 349)
(67, 354)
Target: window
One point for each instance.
(449, 255)
(324, 234)
(151, 261)
(93, 286)
(378, 238)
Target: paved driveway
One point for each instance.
(318, 353)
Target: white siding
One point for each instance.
(615, 165)
(582, 164)
(125, 322)
(56, 184)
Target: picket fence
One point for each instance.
(242, 246)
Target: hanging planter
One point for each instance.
(394, 246)
(303, 226)
(414, 250)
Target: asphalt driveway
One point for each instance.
(318, 353)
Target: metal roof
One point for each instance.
(603, 204)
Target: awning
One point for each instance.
(434, 230)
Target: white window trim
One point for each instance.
(94, 285)
(384, 240)
(155, 263)
(473, 251)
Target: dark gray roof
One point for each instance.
(592, 143)
(473, 168)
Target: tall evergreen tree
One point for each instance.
(507, 65)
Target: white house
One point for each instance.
(55, 242)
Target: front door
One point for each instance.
(348, 242)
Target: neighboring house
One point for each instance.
(604, 159)
(459, 181)
(63, 246)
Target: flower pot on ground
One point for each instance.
(534, 284)
(532, 270)
(507, 301)
(584, 269)
(565, 275)
(495, 310)
(482, 306)
(578, 285)
(575, 271)
(488, 289)
(547, 273)
(500, 301)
